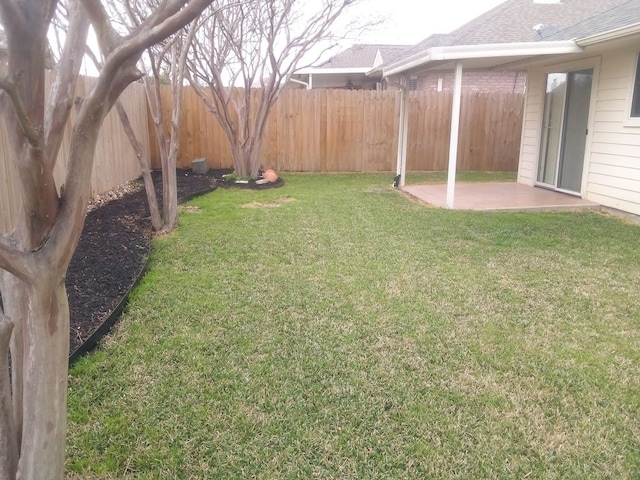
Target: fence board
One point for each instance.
(314, 131)
(342, 130)
(115, 161)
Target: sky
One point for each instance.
(410, 21)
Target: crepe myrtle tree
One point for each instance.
(168, 56)
(242, 55)
(34, 256)
(168, 145)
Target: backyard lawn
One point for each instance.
(335, 329)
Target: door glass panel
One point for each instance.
(554, 100)
(575, 130)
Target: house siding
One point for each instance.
(613, 173)
(531, 128)
(612, 154)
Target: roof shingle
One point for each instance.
(363, 55)
(513, 21)
(620, 16)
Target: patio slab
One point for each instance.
(498, 196)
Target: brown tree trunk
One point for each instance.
(145, 165)
(8, 444)
(152, 200)
(35, 256)
(15, 304)
(45, 380)
(169, 181)
(169, 194)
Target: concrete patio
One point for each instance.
(492, 196)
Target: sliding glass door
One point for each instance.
(564, 130)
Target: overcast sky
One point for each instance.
(409, 21)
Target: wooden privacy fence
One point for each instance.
(115, 161)
(308, 130)
(349, 130)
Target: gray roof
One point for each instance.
(622, 15)
(363, 55)
(513, 21)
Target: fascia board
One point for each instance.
(494, 50)
(315, 71)
(610, 35)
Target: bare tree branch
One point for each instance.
(12, 259)
(246, 45)
(12, 15)
(35, 256)
(64, 83)
(108, 38)
(141, 156)
(32, 134)
(119, 70)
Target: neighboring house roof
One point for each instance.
(359, 64)
(513, 21)
(362, 55)
(620, 16)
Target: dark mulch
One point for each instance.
(114, 247)
(112, 253)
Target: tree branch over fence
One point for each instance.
(246, 45)
(12, 259)
(62, 90)
(30, 132)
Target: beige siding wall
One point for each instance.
(613, 175)
(531, 127)
(612, 157)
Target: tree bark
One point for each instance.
(280, 33)
(8, 444)
(45, 379)
(35, 256)
(145, 165)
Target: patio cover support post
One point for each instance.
(455, 131)
(401, 166)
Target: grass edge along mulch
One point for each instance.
(334, 329)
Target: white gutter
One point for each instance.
(300, 82)
(492, 50)
(375, 71)
(610, 35)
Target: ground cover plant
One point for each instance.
(334, 328)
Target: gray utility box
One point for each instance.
(199, 166)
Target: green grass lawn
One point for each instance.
(335, 329)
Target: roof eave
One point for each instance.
(610, 35)
(377, 71)
(314, 71)
(493, 50)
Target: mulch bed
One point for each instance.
(114, 246)
(113, 249)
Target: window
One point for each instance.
(413, 84)
(635, 100)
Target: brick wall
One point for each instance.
(474, 81)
